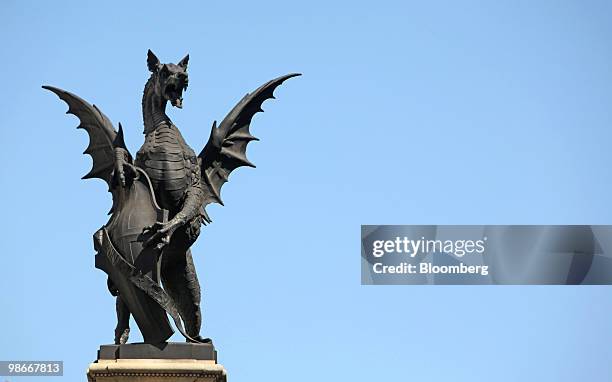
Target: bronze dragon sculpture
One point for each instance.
(159, 200)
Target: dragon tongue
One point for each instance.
(178, 102)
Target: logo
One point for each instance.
(412, 248)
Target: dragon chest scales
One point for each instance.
(169, 162)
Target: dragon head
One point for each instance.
(170, 79)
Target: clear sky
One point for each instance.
(438, 112)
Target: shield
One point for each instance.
(133, 268)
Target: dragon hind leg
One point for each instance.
(122, 331)
(181, 282)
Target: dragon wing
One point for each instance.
(102, 136)
(226, 147)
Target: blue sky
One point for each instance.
(441, 112)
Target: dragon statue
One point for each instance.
(159, 200)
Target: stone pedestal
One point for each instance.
(180, 362)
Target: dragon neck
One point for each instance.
(153, 107)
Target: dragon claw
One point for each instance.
(160, 234)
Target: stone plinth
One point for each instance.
(155, 370)
(175, 362)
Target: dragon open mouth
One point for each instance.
(174, 94)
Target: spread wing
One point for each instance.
(226, 147)
(102, 136)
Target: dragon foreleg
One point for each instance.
(191, 214)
